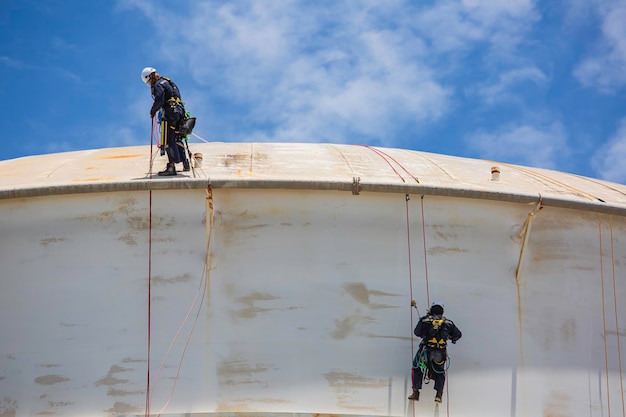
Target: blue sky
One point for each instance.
(536, 83)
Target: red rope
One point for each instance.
(182, 356)
(202, 287)
(385, 155)
(149, 302)
(408, 241)
(149, 275)
(381, 154)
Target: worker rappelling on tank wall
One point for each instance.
(175, 122)
(431, 357)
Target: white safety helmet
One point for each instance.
(438, 307)
(145, 74)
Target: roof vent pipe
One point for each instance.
(495, 174)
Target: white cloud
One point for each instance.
(605, 69)
(502, 90)
(335, 71)
(14, 63)
(457, 25)
(608, 161)
(528, 145)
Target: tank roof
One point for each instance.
(307, 166)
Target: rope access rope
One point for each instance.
(408, 239)
(180, 328)
(574, 190)
(149, 302)
(209, 221)
(149, 279)
(425, 252)
(203, 140)
(606, 355)
(399, 164)
(386, 157)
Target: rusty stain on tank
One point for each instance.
(178, 279)
(128, 239)
(250, 300)
(48, 365)
(131, 360)
(440, 250)
(136, 223)
(93, 179)
(110, 379)
(361, 294)
(123, 408)
(557, 405)
(51, 240)
(253, 297)
(236, 406)
(344, 383)
(235, 372)
(112, 392)
(50, 379)
(53, 404)
(347, 326)
(236, 159)
(358, 291)
(119, 157)
(241, 407)
(8, 407)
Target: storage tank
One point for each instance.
(276, 279)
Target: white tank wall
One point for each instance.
(306, 307)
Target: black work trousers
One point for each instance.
(174, 146)
(435, 361)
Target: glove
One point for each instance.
(151, 115)
(453, 341)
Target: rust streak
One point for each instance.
(119, 157)
(94, 179)
(50, 379)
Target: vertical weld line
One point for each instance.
(425, 253)
(606, 355)
(617, 335)
(251, 156)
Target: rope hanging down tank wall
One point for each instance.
(524, 234)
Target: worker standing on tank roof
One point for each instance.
(430, 361)
(167, 98)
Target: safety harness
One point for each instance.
(439, 339)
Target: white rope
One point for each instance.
(204, 140)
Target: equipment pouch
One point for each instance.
(187, 125)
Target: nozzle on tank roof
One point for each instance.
(495, 173)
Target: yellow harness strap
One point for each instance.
(163, 134)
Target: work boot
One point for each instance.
(186, 165)
(415, 396)
(169, 170)
(438, 396)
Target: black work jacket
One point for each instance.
(447, 330)
(166, 96)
